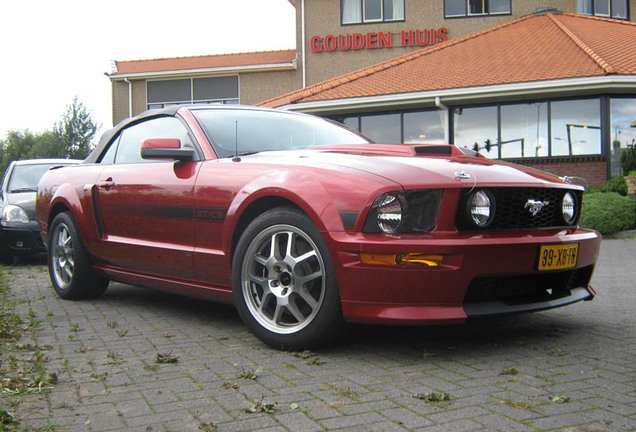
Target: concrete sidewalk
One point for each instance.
(570, 369)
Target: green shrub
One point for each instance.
(617, 184)
(628, 160)
(608, 213)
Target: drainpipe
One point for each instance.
(445, 117)
(129, 96)
(302, 49)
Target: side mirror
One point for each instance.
(166, 148)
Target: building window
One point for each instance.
(412, 127)
(604, 8)
(538, 129)
(623, 132)
(463, 8)
(214, 90)
(369, 11)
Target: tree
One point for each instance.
(76, 130)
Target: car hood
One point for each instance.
(414, 171)
(26, 200)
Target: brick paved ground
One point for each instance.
(501, 374)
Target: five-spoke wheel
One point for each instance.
(284, 283)
(70, 268)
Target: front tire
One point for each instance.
(70, 268)
(284, 282)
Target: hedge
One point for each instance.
(608, 212)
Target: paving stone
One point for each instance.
(586, 352)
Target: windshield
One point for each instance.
(25, 178)
(258, 131)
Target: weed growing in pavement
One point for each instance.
(260, 407)
(311, 357)
(112, 324)
(113, 357)
(509, 371)
(343, 391)
(247, 374)
(166, 358)
(433, 397)
(230, 385)
(208, 427)
(122, 333)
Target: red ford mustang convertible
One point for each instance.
(305, 225)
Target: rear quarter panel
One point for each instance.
(69, 189)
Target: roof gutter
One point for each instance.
(205, 71)
(466, 95)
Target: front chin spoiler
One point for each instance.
(480, 309)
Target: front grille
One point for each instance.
(511, 211)
(524, 289)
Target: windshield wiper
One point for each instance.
(25, 189)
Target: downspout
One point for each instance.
(127, 81)
(445, 118)
(302, 49)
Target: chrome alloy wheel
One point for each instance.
(62, 257)
(283, 279)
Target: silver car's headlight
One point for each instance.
(404, 212)
(14, 213)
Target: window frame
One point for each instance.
(363, 20)
(610, 7)
(468, 14)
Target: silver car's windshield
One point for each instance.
(25, 178)
(258, 131)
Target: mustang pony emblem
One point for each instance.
(534, 206)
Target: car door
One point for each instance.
(145, 207)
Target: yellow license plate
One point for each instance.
(557, 257)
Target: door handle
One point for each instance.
(106, 184)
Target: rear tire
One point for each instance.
(284, 282)
(70, 268)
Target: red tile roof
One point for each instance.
(532, 48)
(204, 62)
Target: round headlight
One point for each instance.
(568, 207)
(389, 214)
(13, 213)
(481, 208)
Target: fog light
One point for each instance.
(568, 207)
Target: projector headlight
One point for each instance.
(404, 212)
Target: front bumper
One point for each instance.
(22, 239)
(481, 274)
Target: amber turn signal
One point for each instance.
(408, 259)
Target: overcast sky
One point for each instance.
(53, 50)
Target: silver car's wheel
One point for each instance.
(283, 279)
(70, 268)
(62, 259)
(284, 282)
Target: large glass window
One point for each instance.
(460, 8)
(363, 11)
(424, 127)
(605, 8)
(476, 128)
(383, 128)
(524, 130)
(623, 120)
(576, 127)
(220, 90)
